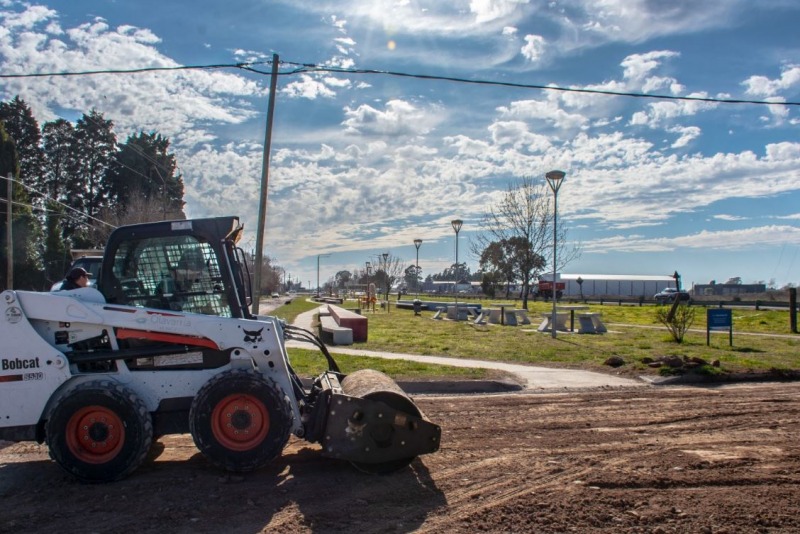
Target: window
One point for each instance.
(173, 273)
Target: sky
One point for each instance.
(364, 163)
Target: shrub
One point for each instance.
(677, 320)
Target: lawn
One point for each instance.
(634, 335)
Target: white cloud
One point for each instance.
(762, 86)
(727, 217)
(489, 10)
(687, 135)
(638, 66)
(398, 118)
(547, 110)
(744, 239)
(307, 87)
(534, 48)
(169, 102)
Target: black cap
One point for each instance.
(77, 272)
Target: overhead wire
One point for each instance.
(48, 197)
(300, 68)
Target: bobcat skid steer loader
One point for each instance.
(164, 344)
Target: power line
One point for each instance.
(312, 68)
(46, 196)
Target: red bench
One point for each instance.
(357, 323)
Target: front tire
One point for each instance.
(99, 431)
(240, 420)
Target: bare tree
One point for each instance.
(387, 271)
(524, 217)
(140, 209)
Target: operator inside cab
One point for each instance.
(76, 278)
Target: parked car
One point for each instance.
(90, 263)
(669, 294)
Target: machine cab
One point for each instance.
(186, 266)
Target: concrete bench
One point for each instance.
(338, 335)
(346, 318)
(561, 322)
(494, 315)
(460, 312)
(522, 316)
(591, 323)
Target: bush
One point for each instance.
(677, 320)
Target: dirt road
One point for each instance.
(649, 460)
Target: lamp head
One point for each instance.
(457, 223)
(385, 256)
(554, 179)
(417, 243)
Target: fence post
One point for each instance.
(793, 309)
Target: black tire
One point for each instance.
(240, 420)
(99, 431)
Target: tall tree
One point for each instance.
(58, 141)
(23, 128)
(343, 278)
(94, 148)
(523, 219)
(55, 255)
(145, 167)
(26, 233)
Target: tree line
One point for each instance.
(72, 184)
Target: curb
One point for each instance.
(457, 386)
(439, 387)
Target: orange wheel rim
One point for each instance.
(240, 422)
(95, 434)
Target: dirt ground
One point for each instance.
(657, 460)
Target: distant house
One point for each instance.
(714, 289)
(610, 285)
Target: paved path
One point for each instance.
(531, 377)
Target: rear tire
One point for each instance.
(99, 431)
(240, 420)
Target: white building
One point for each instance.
(612, 285)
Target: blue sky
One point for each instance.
(364, 164)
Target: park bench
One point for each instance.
(335, 334)
(348, 319)
(522, 316)
(591, 323)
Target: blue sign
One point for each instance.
(719, 319)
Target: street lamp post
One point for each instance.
(456, 223)
(369, 292)
(318, 257)
(385, 256)
(554, 180)
(417, 243)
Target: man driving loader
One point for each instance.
(76, 278)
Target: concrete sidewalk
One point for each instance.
(531, 378)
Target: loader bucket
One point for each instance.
(372, 423)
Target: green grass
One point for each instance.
(634, 334)
(311, 363)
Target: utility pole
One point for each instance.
(262, 206)
(9, 237)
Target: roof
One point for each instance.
(614, 277)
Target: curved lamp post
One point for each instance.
(554, 180)
(456, 224)
(417, 243)
(385, 256)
